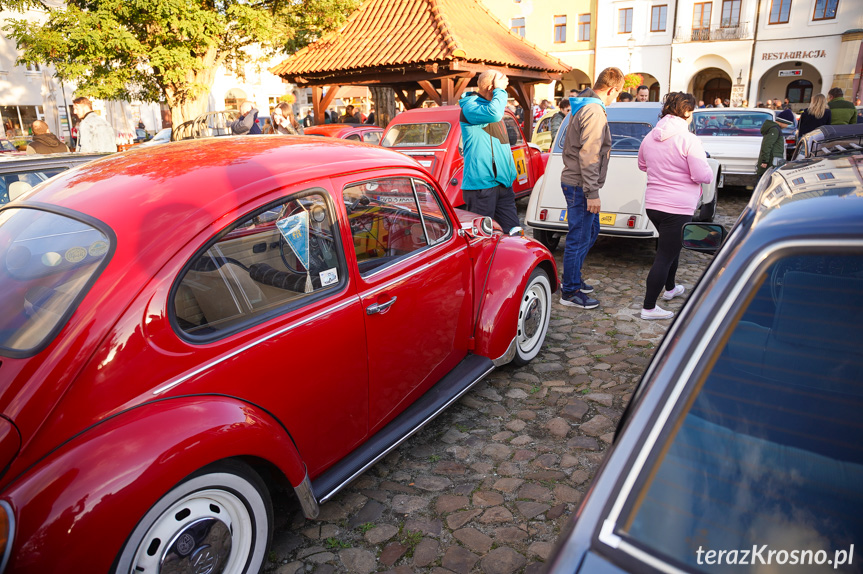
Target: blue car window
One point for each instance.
(769, 451)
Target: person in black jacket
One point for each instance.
(815, 116)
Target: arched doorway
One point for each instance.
(797, 81)
(233, 98)
(572, 80)
(710, 84)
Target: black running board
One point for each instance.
(445, 392)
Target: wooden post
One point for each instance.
(523, 94)
(447, 89)
(384, 98)
(321, 100)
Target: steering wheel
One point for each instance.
(636, 140)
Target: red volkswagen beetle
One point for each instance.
(353, 132)
(181, 321)
(432, 136)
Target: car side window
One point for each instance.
(15, 183)
(769, 451)
(513, 131)
(372, 137)
(436, 224)
(273, 257)
(386, 222)
(353, 138)
(544, 125)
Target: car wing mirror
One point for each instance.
(479, 227)
(703, 237)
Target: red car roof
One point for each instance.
(339, 130)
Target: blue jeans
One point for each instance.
(583, 230)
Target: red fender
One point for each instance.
(514, 260)
(88, 495)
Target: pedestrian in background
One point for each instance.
(815, 116)
(246, 123)
(349, 117)
(95, 135)
(284, 121)
(642, 94)
(563, 108)
(676, 166)
(44, 141)
(624, 97)
(489, 169)
(772, 145)
(370, 121)
(841, 110)
(586, 150)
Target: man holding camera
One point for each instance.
(489, 169)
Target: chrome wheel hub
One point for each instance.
(202, 547)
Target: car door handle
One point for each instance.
(380, 307)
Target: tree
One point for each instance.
(153, 50)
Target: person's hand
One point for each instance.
(501, 82)
(593, 205)
(763, 165)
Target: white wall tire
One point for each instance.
(221, 515)
(534, 314)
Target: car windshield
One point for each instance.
(725, 124)
(6, 145)
(627, 136)
(49, 261)
(416, 135)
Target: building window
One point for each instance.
(517, 26)
(779, 11)
(825, 9)
(624, 21)
(657, 18)
(701, 20)
(559, 29)
(34, 68)
(730, 13)
(584, 27)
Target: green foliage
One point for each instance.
(165, 49)
(366, 527)
(334, 543)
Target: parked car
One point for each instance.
(20, 173)
(824, 141)
(182, 322)
(352, 132)
(163, 136)
(542, 131)
(623, 212)
(432, 136)
(740, 448)
(207, 125)
(733, 137)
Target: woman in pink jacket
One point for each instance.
(676, 166)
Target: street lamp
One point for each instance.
(630, 44)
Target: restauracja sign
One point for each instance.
(793, 55)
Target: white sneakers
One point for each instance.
(656, 313)
(678, 290)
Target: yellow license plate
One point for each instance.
(607, 218)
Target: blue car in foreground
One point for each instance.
(742, 449)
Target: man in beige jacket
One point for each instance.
(586, 149)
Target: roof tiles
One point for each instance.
(384, 33)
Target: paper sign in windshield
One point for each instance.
(295, 230)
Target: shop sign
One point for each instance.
(786, 73)
(793, 55)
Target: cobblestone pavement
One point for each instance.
(489, 484)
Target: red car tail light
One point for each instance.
(543, 214)
(631, 221)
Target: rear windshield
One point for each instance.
(416, 135)
(717, 123)
(48, 262)
(625, 136)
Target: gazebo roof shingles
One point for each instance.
(384, 33)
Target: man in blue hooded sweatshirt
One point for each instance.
(586, 149)
(489, 169)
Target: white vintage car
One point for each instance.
(623, 212)
(732, 136)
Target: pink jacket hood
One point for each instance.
(676, 166)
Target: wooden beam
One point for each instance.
(321, 101)
(330, 96)
(446, 91)
(385, 77)
(459, 89)
(422, 97)
(520, 73)
(429, 89)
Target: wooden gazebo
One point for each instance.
(423, 49)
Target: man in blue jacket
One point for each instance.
(489, 169)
